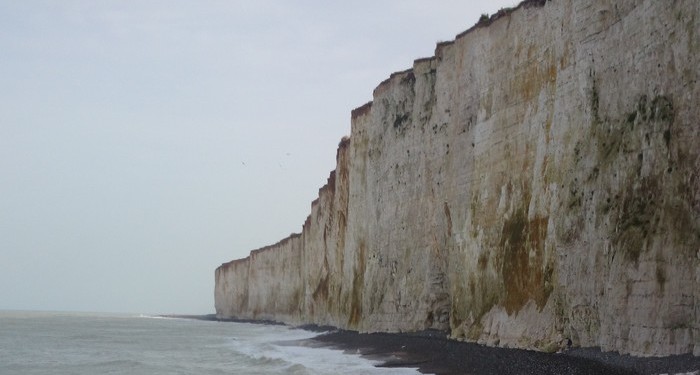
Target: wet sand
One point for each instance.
(431, 353)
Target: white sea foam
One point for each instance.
(281, 346)
(144, 316)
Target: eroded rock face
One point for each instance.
(537, 180)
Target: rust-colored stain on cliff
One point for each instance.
(358, 281)
(523, 269)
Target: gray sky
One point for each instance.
(143, 143)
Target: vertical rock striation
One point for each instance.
(537, 180)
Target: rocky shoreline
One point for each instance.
(432, 353)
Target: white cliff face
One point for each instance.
(537, 180)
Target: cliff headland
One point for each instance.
(535, 183)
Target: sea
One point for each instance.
(39, 343)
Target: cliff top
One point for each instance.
(484, 21)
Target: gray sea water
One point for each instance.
(90, 343)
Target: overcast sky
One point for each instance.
(143, 143)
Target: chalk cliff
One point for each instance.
(537, 180)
